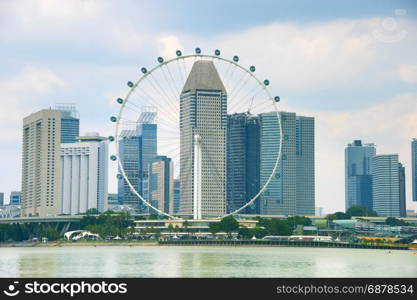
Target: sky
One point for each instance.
(350, 64)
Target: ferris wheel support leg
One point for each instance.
(197, 215)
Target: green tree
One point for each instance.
(229, 224)
(214, 228)
(185, 225)
(244, 233)
(395, 222)
(258, 232)
(338, 216)
(262, 222)
(298, 220)
(361, 211)
(278, 227)
(50, 233)
(170, 228)
(88, 220)
(153, 217)
(92, 211)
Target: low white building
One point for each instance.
(84, 169)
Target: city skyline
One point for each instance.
(351, 100)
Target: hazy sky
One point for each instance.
(352, 66)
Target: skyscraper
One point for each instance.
(161, 184)
(177, 195)
(304, 147)
(242, 161)
(15, 198)
(112, 200)
(386, 185)
(84, 174)
(401, 174)
(280, 196)
(70, 122)
(129, 157)
(137, 150)
(358, 177)
(1, 199)
(41, 171)
(414, 167)
(147, 138)
(203, 118)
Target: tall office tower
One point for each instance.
(1, 199)
(242, 161)
(129, 157)
(137, 150)
(358, 177)
(147, 137)
(84, 168)
(386, 185)
(203, 117)
(41, 170)
(414, 167)
(280, 196)
(177, 195)
(15, 198)
(112, 200)
(161, 184)
(401, 174)
(70, 122)
(304, 147)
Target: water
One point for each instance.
(208, 261)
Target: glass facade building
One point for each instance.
(279, 198)
(129, 157)
(358, 177)
(15, 198)
(401, 174)
(414, 168)
(70, 122)
(137, 150)
(242, 161)
(304, 147)
(147, 151)
(177, 195)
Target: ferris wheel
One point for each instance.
(155, 97)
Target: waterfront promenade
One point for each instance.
(280, 243)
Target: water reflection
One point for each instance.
(177, 261)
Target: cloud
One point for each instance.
(314, 67)
(300, 58)
(168, 45)
(22, 93)
(408, 73)
(391, 125)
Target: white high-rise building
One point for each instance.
(41, 180)
(386, 185)
(84, 174)
(203, 112)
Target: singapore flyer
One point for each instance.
(190, 113)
